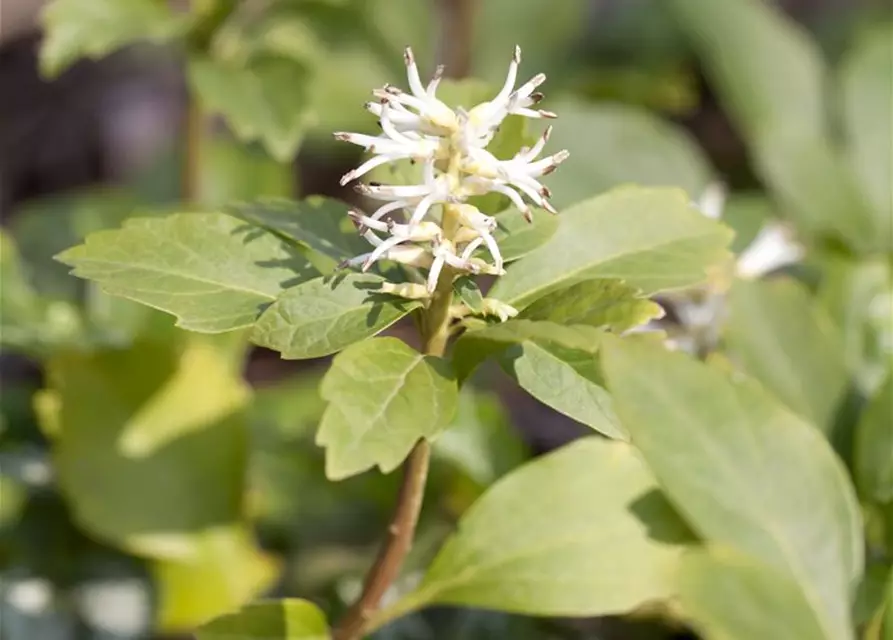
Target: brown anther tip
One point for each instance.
(546, 192)
(343, 264)
(361, 188)
(547, 133)
(408, 58)
(374, 184)
(516, 55)
(341, 135)
(536, 97)
(438, 71)
(548, 207)
(548, 114)
(528, 215)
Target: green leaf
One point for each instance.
(516, 237)
(316, 222)
(481, 441)
(223, 571)
(814, 185)
(728, 595)
(555, 364)
(213, 272)
(603, 303)
(230, 172)
(613, 145)
(745, 472)
(21, 309)
(265, 98)
(93, 28)
(581, 531)
(771, 78)
(467, 291)
(327, 314)
(778, 335)
(288, 619)
(155, 421)
(867, 92)
(383, 397)
(768, 73)
(855, 294)
(874, 444)
(651, 237)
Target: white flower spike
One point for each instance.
(450, 144)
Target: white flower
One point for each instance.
(451, 147)
(772, 249)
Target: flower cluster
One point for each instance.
(450, 145)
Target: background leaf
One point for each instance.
(874, 441)
(712, 442)
(728, 595)
(289, 618)
(94, 28)
(771, 78)
(650, 237)
(602, 544)
(214, 272)
(223, 571)
(265, 98)
(778, 335)
(613, 145)
(517, 237)
(167, 425)
(383, 397)
(324, 315)
(867, 91)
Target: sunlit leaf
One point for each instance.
(324, 315)
(778, 335)
(613, 145)
(651, 237)
(383, 397)
(517, 237)
(94, 28)
(467, 291)
(580, 531)
(604, 303)
(288, 619)
(555, 364)
(214, 272)
(728, 595)
(315, 222)
(744, 471)
(223, 571)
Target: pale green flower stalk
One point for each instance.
(451, 147)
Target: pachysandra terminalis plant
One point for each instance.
(451, 146)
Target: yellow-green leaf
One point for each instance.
(650, 237)
(214, 272)
(744, 471)
(383, 398)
